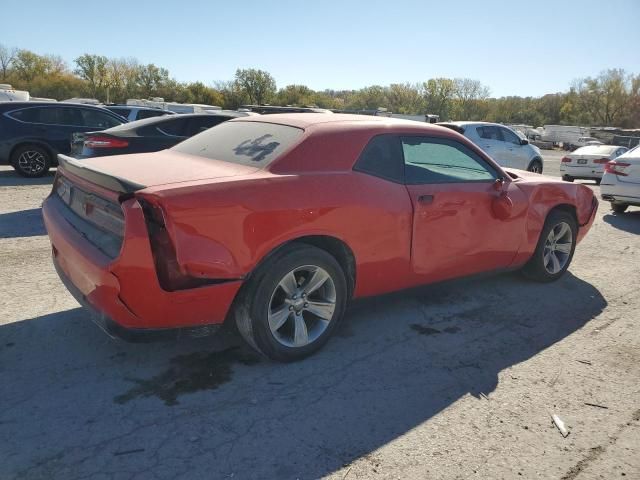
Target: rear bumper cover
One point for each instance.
(124, 294)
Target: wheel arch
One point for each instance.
(565, 207)
(334, 246)
(37, 143)
(538, 159)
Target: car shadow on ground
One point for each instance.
(9, 178)
(628, 221)
(75, 403)
(23, 223)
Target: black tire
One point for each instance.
(619, 207)
(251, 308)
(536, 268)
(597, 180)
(535, 166)
(567, 178)
(31, 161)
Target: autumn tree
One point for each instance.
(7, 56)
(258, 86)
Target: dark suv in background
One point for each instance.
(33, 133)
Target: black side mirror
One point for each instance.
(524, 141)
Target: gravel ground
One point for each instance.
(457, 380)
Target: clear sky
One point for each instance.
(515, 47)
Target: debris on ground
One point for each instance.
(560, 424)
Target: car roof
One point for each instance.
(468, 123)
(14, 105)
(346, 121)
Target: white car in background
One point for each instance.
(621, 181)
(504, 145)
(587, 163)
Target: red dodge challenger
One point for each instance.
(278, 222)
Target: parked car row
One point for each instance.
(148, 135)
(32, 134)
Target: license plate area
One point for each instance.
(582, 161)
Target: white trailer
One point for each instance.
(9, 94)
(158, 102)
(565, 134)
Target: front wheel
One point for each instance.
(555, 248)
(619, 207)
(535, 166)
(293, 303)
(31, 161)
(567, 178)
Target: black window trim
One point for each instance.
(474, 155)
(58, 105)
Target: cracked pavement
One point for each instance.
(457, 380)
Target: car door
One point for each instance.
(76, 121)
(516, 155)
(455, 229)
(490, 140)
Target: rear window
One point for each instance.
(247, 143)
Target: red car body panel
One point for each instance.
(225, 219)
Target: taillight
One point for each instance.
(601, 160)
(565, 160)
(616, 168)
(103, 141)
(170, 276)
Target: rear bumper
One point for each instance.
(124, 294)
(582, 172)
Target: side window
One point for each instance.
(172, 128)
(438, 160)
(489, 132)
(620, 151)
(148, 114)
(382, 157)
(200, 124)
(94, 118)
(509, 136)
(70, 116)
(123, 112)
(29, 115)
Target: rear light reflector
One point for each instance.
(565, 160)
(601, 161)
(616, 168)
(103, 141)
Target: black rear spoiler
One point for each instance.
(456, 128)
(110, 182)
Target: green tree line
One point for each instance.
(611, 98)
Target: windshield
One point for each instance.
(248, 143)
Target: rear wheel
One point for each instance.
(555, 248)
(619, 207)
(31, 161)
(293, 303)
(597, 180)
(535, 166)
(567, 178)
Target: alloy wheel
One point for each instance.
(32, 162)
(557, 248)
(302, 306)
